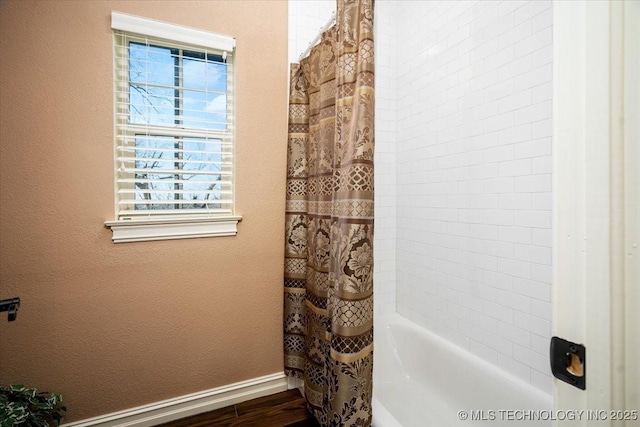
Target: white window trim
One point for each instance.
(176, 33)
(187, 227)
(141, 230)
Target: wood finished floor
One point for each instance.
(286, 409)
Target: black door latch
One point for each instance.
(569, 362)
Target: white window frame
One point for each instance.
(162, 227)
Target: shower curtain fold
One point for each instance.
(328, 318)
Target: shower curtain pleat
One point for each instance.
(328, 319)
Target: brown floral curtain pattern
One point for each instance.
(328, 319)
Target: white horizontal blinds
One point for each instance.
(174, 128)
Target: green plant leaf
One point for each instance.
(21, 406)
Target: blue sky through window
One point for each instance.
(176, 87)
(182, 89)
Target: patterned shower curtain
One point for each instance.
(328, 318)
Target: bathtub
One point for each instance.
(422, 380)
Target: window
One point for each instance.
(174, 131)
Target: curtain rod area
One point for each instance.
(317, 37)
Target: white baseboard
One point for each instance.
(190, 404)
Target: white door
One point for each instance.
(597, 204)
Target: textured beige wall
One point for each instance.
(115, 326)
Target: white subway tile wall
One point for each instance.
(385, 158)
(473, 182)
(463, 170)
(306, 17)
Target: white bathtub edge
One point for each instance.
(382, 417)
(398, 318)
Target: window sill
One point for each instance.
(142, 230)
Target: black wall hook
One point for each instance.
(11, 305)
